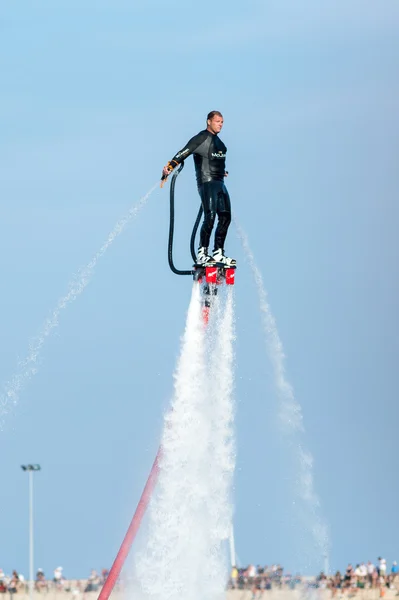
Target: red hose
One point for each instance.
(132, 531)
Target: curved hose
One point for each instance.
(194, 233)
(172, 226)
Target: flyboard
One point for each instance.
(209, 278)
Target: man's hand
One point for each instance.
(167, 170)
(226, 173)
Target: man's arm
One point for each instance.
(180, 156)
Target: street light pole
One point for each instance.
(232, 547)
(30, 535)
(31, 469)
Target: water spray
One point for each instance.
(290, 411)
(29, 366)
(191, 510)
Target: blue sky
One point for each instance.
(95, 98)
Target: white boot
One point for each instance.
(226, 261)
(203, 258)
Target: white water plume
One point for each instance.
(221, 379)
(290, 410)
(221, 335)
(29, 366)
(190, 514)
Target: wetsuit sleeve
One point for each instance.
(189, 148)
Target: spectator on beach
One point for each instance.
(394, 575)
(58, 578)
(3, 584)
(348, 575)
(336, 583)
(13, 584)
(234, 577)
(363, 571)
(370, 570)
(360, 575)
(251, 572)
(279, 575)
(322, 581)
(41, 583)
(93, 582)
(104, 575)
(382, 567)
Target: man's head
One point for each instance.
(214, 121)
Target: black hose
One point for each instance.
(194, 233)
(172, 226)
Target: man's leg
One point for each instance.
(224, 219)
(222, 229)
(223, 209)
(209, 205)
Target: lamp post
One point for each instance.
(30, 469)
(232, 547)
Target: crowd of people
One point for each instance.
(362, 576)
(258, 579)
(16, 582)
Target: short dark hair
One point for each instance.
(214, 113)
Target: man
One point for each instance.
(209, 160)
(382, 566)
(394, 572)
(370, 571)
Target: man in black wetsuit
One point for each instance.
(209, 160)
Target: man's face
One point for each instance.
(215, 125)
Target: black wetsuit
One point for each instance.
(210, 162)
